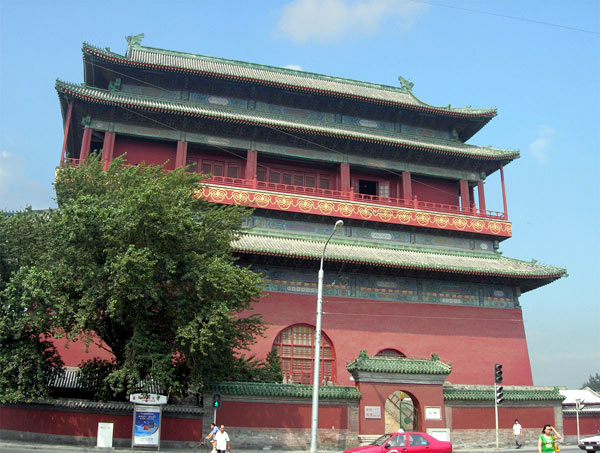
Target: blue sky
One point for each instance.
(537, 61)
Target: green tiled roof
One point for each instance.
(291, 390)
(511, 393)
(400, 256)
(403, 365)
(169, 60)
(278, 121)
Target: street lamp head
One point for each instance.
(338, 224)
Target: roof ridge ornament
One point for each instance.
(406, 84)
(134, 40)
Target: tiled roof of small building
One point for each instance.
(399, 256)
(511, 393)
(290, 390)
(169, 60)
(403, 365)
(277, 121)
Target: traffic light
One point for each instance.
(216, 400)
(499, 395)
(498, 373)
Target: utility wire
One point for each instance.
(506, 16)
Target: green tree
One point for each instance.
(593, 382)
(134, 260)
(27, 359)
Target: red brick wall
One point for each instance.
(530, 418)
(471, 338)
(258, 414)
(588, 426)
(85, 424)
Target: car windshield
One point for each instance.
(381, 440)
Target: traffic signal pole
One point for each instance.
(498, 395)
(496, 412)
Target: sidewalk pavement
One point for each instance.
(18, 446)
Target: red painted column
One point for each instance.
(85, 144)
(181, 154)
(108, 148)
(251, 162)
(503, 192)
(66, 126)
(465, 201)
(406, 186)
(481, 195)
(345, 177)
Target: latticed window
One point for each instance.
(295, 346)
(389, 353)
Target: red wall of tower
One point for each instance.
(148, 151)
(471, 338)
(435, 191)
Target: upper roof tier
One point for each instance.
(290, 79)
(283, 122)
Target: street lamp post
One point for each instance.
(317, 363)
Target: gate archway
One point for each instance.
(401, 412)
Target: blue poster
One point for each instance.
(146, 425)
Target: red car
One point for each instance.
(405, 442)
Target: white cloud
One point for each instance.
(297, 67)
(333, 20)
(540, 147)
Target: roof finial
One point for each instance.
(406, 84)
(134, 40)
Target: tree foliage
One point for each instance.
(593, 382)
(134, 260)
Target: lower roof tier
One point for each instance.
(527, 275)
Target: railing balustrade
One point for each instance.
(352, 196)
(339, 195)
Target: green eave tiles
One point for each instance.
(394, 256)
(275, 121)
(400, 365)
(486, 393)
(169, 60)
(283, 390)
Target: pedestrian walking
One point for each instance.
(547, 440)
(211, 437)
(517, 433)
(222, 440)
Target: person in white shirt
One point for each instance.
(517, 433)
(222, 440)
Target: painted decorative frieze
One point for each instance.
(356, 210)
(387, 288)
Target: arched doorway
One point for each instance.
(400, 412)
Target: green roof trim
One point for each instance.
(277, 121)
(400, 365)
(511, 393)
(282, 390)
(385, 255)
(170, 60)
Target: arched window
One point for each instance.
(389, 353)
(295, 346)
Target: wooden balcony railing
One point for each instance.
(348, 196)
(352, 196)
